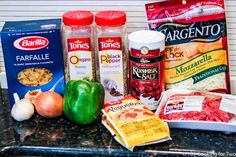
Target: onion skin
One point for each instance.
(49, 104)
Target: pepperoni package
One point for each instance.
(196, 53)
(132, 124)
(198, 110)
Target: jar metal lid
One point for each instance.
(110, 18)
(78, 17)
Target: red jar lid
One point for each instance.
(110, 18)
(78, 17)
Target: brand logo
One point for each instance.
(147, 73)
(143, 60)
(78, 44)
(174, 106)
(197, 32)
(144, 50)
(31, 43)
(109, 44)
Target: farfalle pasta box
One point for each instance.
(33, 57)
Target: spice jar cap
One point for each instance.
(110, 18)
(147, 38)
(78, 17)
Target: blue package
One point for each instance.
(33, 57)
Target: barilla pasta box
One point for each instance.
(33, 58)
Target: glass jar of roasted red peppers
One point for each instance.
(146, 66)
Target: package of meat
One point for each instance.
(198, 110)
(196, 53)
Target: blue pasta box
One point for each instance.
(33, 58)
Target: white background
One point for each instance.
(43, 9)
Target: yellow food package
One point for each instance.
(133, 124)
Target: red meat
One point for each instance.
(210, 110)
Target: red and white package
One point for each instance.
(196, 53)
(198, 110)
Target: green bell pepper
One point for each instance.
(83, 101)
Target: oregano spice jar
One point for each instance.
(77, 37)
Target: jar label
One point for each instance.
(80, 58)
(146, 75)
(111, 68)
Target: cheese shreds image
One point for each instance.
(196, 56)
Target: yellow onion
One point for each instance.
(49, 104)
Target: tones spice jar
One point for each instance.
(111, 54)
(146, 66)
(77, 35)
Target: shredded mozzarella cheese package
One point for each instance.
(196, 56)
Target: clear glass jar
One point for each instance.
(111, 53)
(78, 47)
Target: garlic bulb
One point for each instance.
(22, 109)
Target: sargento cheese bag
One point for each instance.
(196, 43)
